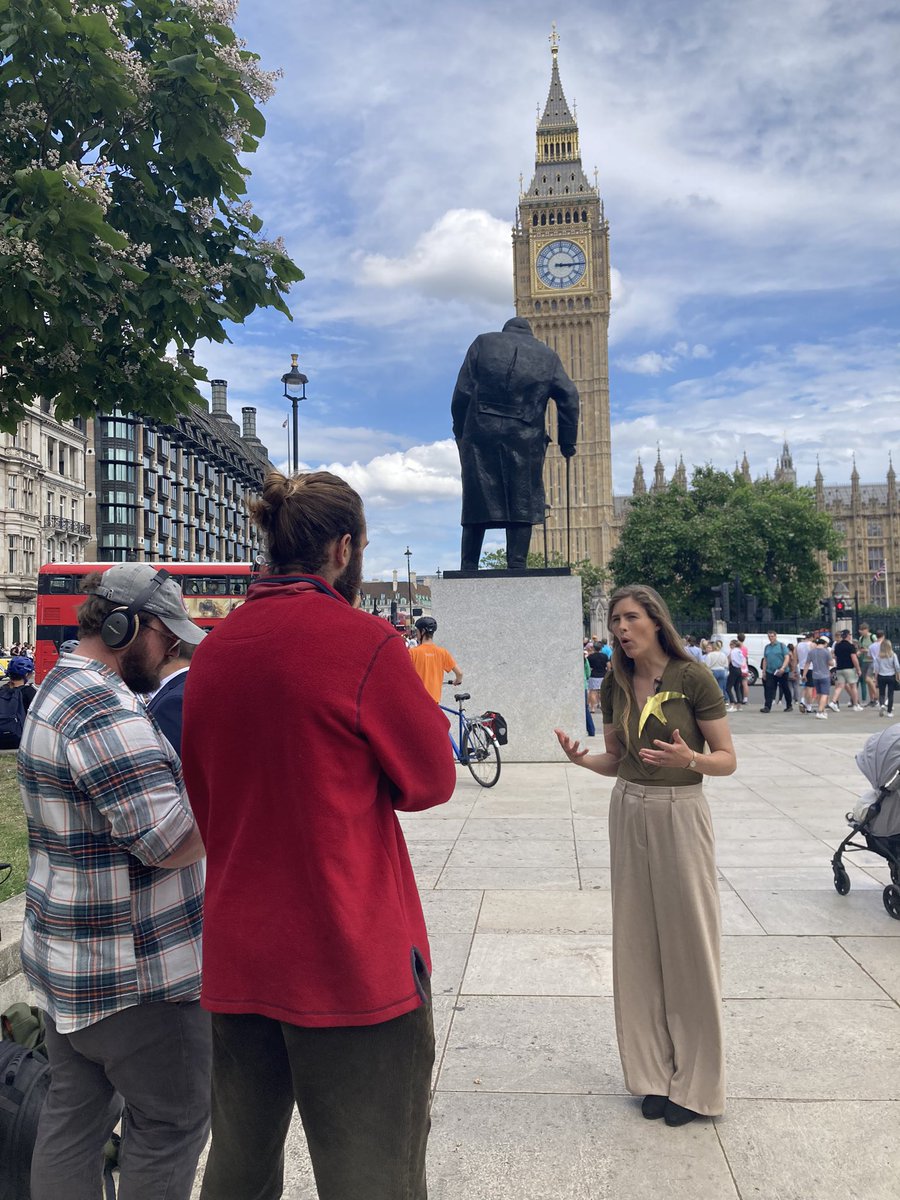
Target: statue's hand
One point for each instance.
(567, 450)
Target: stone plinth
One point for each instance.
(518, 641)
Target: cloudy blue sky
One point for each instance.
(749, 161)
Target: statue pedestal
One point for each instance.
(518, 640)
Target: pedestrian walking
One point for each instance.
(887, 669)
(660, 710)
(820, 662)
(737, 665)
(316, 964)
(847, 668)
(775, 673)
(111, 941)
(717, 661)
(863, 642)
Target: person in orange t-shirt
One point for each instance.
(431, 661)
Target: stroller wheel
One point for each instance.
(891, 898)
(841, 881)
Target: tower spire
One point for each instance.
(557, 164)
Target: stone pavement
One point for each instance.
(529, 1099)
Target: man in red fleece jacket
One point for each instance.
(315, 956)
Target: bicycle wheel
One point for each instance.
(481, 756)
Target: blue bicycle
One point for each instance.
(475, 745)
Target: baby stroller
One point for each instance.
(876, 815)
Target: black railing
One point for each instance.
(66, 526)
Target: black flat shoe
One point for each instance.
(654, 1107)
(676, 1115)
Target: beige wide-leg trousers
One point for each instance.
(666, 945)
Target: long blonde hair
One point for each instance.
(886, 649)
(668, 636)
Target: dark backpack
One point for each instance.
(12, 712)
(497, 726)
(24, 1080)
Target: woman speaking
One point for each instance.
(664, 728)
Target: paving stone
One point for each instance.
(817, 1150)
(449, 955)
(817, 878)
(737, 919)
(515, 878)
(546, 1147)
(794, 911)
(532, 1044)
(793, 968)
(533, 964)
(546, 912)
(514, 829)
(489, 852)
(813, 1049)
(878, 956)
(451, 912)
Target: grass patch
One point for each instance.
(13, 829)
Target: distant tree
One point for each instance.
(591, 576)
(123, 230)
(684, 542)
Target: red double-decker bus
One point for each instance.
(211, 591)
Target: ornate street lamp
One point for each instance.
(408, 554)
(295, 390)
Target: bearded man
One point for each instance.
(305, 729)
(111, 943)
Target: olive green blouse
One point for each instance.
(697, 698)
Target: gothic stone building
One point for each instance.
(866, 515)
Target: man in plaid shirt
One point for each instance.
(111, 943)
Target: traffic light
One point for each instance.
(825, 610)
(723, 602)
(840, 608)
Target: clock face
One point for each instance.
(561, 264)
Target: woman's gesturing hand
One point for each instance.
(572, 750)
(676, 753)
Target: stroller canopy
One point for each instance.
(879, 759)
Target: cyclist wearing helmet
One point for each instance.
(431, 661)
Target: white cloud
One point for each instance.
(465, 255)
(650, 363)
(419, 475)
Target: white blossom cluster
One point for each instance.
(135, 69)
(259, 83)
(223, 12)
(266, 251)
(65, 359)
(19, 122)
(27, 253)
(200, 211)
(92, 179)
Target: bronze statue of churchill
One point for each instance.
(498, 408)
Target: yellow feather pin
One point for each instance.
(654, 708)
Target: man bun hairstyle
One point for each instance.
(299, 516)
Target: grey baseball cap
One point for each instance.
(125, 583)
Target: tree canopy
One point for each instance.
(684, 542)
(123, 229)
(591, 576)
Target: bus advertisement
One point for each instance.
(211, 591)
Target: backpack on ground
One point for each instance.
(24, 1080)
(12, 711)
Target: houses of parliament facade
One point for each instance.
(562, 286)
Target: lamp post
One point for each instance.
(295, 390)
(408, 554)
(546, 515)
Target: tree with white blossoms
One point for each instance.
(123, 225)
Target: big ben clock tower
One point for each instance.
(561, 262)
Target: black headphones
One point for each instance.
(123, 624)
